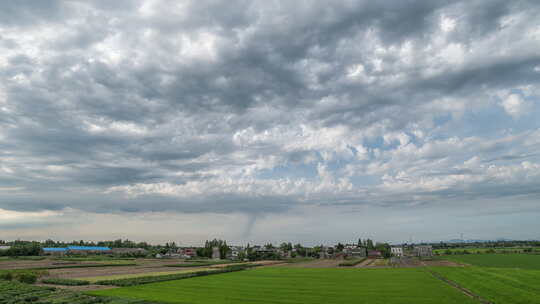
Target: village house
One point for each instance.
(396, 251)
(234, 252)
(359, 252)
(375, 254)
(216, 255)
(129, 251)
(423, 251)
(187, 253)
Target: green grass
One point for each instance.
(525, 261)
(300, 285)
(137, 275)
(498, 285)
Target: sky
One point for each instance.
(269, 121)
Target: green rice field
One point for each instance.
(300, 285)
(498, 285)
(525, 261)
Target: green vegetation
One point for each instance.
(498, 285)
(19, 293)
(168, 277)
(21, 275)
(300, 285)
(351, 262)
(65, 282)
(525, 261)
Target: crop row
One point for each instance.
(65, 282)
(12, 292)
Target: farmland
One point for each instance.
(526, 261)
(137, 275)
(15, 293)
(498, 285)
(300, 285)
(475, 250)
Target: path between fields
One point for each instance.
(458, 287)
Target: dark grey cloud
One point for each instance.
(209, 106)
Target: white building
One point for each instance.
(396, 251)
(423, 251)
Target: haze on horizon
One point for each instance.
(269, 121)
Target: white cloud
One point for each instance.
(515, 105)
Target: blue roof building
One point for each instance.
(54, 249)
(88, 248)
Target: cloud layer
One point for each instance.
(261, 109)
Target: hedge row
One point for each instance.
(66, 282)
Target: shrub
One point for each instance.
(27, 277)
(24, 276)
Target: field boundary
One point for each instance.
(458, 287)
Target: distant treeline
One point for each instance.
(485, 244)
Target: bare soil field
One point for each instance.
(323, 263)
(27, 264)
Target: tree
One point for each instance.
(369, 244)
(385, 249)
(339, 247)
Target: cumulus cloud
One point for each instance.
(202, 107)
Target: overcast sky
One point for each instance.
(269, 121)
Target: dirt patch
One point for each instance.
(407, 261)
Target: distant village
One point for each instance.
(215, 249)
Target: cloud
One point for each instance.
(514, 105)
(200, 107)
